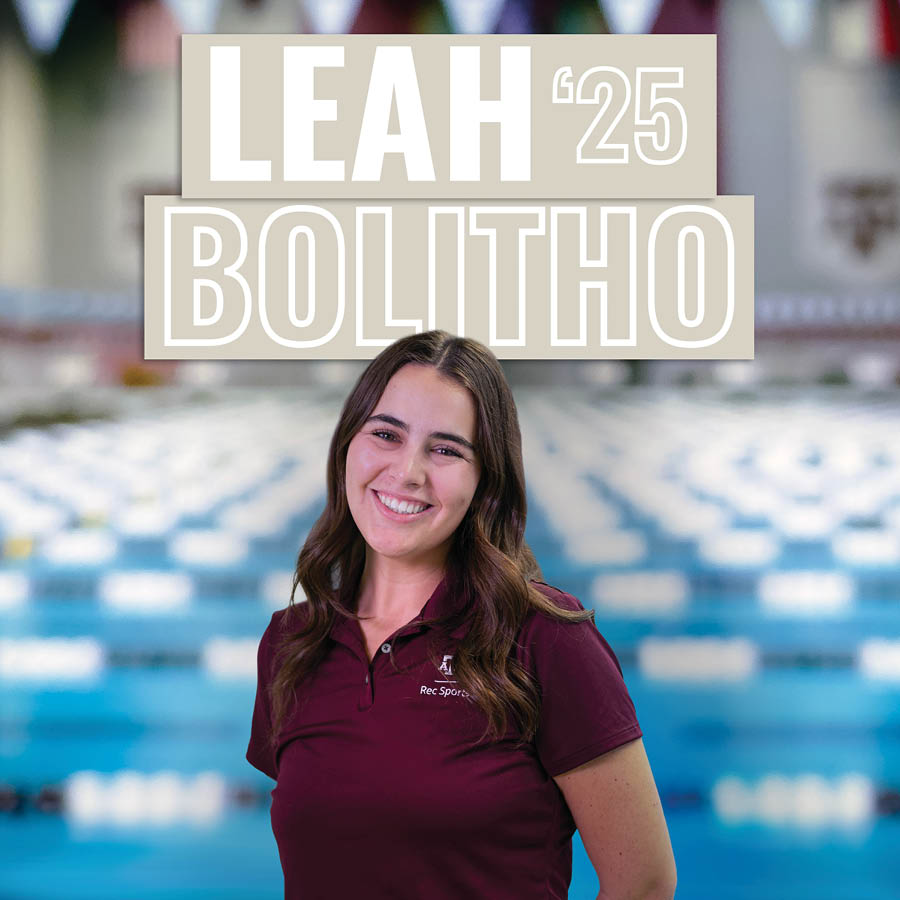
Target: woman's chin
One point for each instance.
(393, 551)
(409, 552)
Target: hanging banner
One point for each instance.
(846, 173)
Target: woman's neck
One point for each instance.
(391, 590)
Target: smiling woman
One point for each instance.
(412, 471)
(433, 709)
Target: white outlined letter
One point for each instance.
(387, 216)
(328, 228)
(696, 230)
(514, 214)
(602, 262)
(197, 260)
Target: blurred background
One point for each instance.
(735, 525)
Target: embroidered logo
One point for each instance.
(439, 688)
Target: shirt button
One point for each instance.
(385, 647)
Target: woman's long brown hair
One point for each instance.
(489, 565)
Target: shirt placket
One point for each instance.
(379, 661)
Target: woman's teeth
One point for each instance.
(401, 506)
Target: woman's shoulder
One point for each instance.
(560, 598)
(545, 637)
(290, 618)
(541, 623)
(282, 621)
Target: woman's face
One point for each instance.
(412, 468)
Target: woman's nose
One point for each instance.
(410, 466)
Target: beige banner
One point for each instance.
(449, 116)
(341, 280)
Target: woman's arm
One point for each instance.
(616, 808)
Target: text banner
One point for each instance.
(449, 116)
(644, 279)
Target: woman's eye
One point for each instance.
(392, 438)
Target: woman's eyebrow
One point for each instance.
(442, 435)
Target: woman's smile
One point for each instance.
(402, 510)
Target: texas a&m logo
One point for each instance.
(440, 686)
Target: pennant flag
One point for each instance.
(148, 37)
(429, 18)
(889, 28)
(195, 16)
(331, 16)
(792, 19)
(578, 17)
(398, 17)
(687, 17)
(631, 16)
(515, 18)
(473, 16)
(44, 21)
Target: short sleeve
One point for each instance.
(586, 709)
(260, 753)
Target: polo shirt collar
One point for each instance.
(442, 602)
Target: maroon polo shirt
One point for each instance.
(380, 792)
